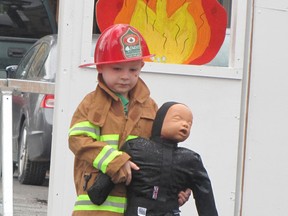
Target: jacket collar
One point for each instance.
(101, 104)
(139, 93)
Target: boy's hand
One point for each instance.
(126, 174)
(128, 166)
(183, 196)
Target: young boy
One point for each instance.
(165, 168)
(119, 109)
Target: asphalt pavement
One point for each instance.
(28, 200)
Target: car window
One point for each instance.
(43, 72)
(48, 71)
(25, 18)
(26, 62)
(36, 69)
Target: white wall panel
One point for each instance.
(266, 171)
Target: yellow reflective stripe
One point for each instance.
(85, 128)
(106, 155)
(111, 139)
(112, 204)
(131, 137)
(115, 137)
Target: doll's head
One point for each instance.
(173, 122)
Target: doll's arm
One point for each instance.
(202, 189)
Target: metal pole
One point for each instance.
(7, 86)
(7, 165)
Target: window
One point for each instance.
(190, 54)
(25, 64)
(37, 65)
(27, 19)
(227, 5)
(222, 57)
(222, 65)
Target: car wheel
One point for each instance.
(31, 173)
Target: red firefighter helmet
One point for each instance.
(119, 43)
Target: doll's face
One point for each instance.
(177, 123)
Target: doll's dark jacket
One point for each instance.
(165, 170)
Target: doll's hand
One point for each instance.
(183, 196)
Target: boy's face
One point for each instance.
(121, 77)
(177, 123)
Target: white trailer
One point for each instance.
(240, 110)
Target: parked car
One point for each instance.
(33, 112)
(22, 23)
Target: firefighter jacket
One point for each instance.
(98, 129)
(165, 170)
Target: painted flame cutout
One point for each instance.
(176, 31)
